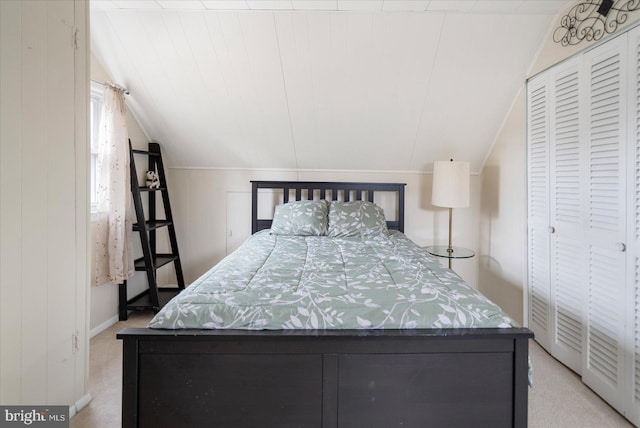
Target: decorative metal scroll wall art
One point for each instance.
(591, 20)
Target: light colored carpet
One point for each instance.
(557, 399)
(105, 377)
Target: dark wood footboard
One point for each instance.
(332, 378)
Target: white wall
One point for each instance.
(503, 215)
(209, 205)
(43, 203)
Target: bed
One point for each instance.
(266, 358)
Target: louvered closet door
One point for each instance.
(633, 232)
(604, 353)
(538, 209)
(568, 208)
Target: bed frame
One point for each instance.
(326, 190)
(325, 378)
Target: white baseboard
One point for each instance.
(102, 327)
(83, 401)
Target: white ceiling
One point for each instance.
(347, 85)
(448, 6)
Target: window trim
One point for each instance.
(95, 113)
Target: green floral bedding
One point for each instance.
(278, 282)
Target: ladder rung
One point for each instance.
(145, 152)
(143, 300)
(158, 261)
(157, 189)
(152, 225)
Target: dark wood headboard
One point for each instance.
(342, 191)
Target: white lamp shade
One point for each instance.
(450, 184)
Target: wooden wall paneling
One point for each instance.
(10, 203)
(43, 202)
(151, 36)
(196, 192)
(35, 279)
(179, 52)
(238, 228)
(231, 47)
(168, 32)
(356, 71)
(402, 78)
(180, 193)
(143, 42)
(82, 153)
(59, 203)
(225, 70)
(295, 56)
(269, 102)
(208, 199)
(220, 107)
(322, 63)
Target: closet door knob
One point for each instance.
(621, 246)
(552, 229)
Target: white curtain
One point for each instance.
(114, 254)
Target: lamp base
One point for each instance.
(450, 249)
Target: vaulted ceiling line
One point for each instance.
(428, 85)
(286, 93)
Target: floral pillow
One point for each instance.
(303, 218)
(357, 218)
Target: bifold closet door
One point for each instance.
(567, 214)
(632, 376)
(584, 232)
(556, 212)
(603, 352)
(539, 303)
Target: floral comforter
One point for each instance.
(278, 282)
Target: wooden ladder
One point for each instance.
(154, 297)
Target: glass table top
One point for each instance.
(453, 253)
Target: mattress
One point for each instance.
(275, 282)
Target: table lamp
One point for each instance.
(450, 189)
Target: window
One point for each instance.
(97, 99)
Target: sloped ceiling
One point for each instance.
(321, 84)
